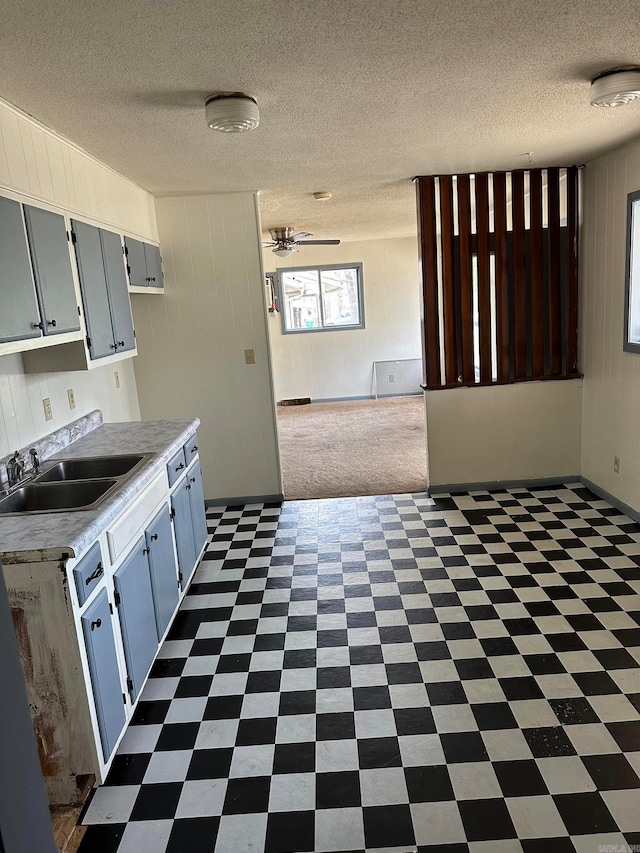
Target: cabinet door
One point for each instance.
(154, 265)
(52, 268)
(137, 617)
(118, 291)
(183, 527)
(19, 314)
(196, 502)
(93, 286)
(136, 262)
(164, 572)
(105, 675)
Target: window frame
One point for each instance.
(358, 266)
(633, 200)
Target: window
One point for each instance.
(632, 298)
(321, 299)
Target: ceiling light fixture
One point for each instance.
(615, 88)
(232, 113)
(282, 253)
(323, 196)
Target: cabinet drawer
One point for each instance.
(131, 522)
(176, 466)
(88, 572)
(191, 449)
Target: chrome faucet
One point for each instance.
(35, 460)
(15, 469)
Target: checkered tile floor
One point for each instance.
(393, 673)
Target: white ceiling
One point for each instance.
(356, 96)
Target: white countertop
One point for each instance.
(50, 536)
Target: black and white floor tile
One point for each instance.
(393, 673)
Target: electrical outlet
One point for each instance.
(616, 464)
(392, 377)
(116, 376)
(249, 356)
(71, 398)
(48, 414)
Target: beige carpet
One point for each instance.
(362, 447)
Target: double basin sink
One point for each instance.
(72, 484)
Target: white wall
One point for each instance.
(192, 341)
(611, 397)
(526, 431)
(340, 364)
(43, 166)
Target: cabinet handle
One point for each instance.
(38, 325)
(192, 479)
(120, 343)
(148, 278)
(194, 449)
(154, 537)
(180, 466)
(113, 346)
(188, 485)
(146, 550)
(51, 323)
(96, 624)
(153, 278)
(97, 573)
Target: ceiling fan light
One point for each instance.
(615, 89)
(232, 113)
(281, 252)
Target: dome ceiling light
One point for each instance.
(232, 113)
(615, 88)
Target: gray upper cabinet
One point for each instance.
(93, 285)
(105, 295)
(143, 263)
(19, 315)
(52, 269)
(118, 292)
(154, 265)
(136, 262)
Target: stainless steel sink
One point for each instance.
(56, 497)
(91, 469)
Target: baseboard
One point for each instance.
(364, 397)
(609, 498)
(504, 484)
(244, 499)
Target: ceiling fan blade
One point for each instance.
(319, 243)
(300, 236)
(268, 245)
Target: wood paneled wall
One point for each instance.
(43, 166)
(191, 342)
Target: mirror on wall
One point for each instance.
(632, 272)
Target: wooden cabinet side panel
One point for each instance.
(50, 657)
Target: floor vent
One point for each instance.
(295, 401)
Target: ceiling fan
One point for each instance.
(284, 241)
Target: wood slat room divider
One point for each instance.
(499, 261)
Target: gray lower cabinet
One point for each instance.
(144, 263)
(162, 563)
(19, 314)
(104, 290)
(105, 675)
(183, 528)
(134, 601)
(196, 502)
(52, 270)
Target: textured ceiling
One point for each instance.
(356, 96)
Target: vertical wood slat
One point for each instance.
(571, 313)
(519, 278)
(466, 283)
(555, 292)
(427, 247)
(484, 274)
(502, 279)
(448, 280)
(535, 265)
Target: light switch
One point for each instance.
(249, 356)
